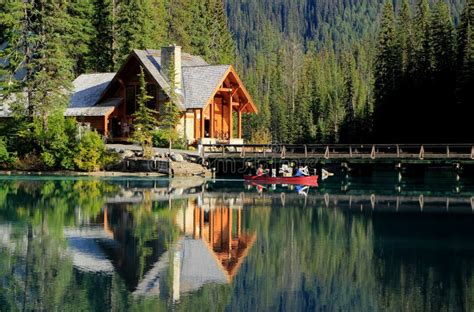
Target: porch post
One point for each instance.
(106, 126)
(211, 134)
(231, 126)
(239, 123)
(196, 136)
(202, 123)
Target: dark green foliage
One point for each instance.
(388, 69)
(82, 33)
(145, 121)
(141, 25)
(56, 142)
(417, 103)
(200, 27)
(104, 45)
(5, 157)
(465, 69)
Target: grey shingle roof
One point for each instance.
(88, 88)
(98, 110)
(200, 82)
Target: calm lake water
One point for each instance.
(363, 244)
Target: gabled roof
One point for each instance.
(200, 83)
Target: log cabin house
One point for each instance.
(211, 98)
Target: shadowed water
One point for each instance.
(360, 244)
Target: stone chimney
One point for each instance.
(170, 54)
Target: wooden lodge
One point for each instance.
(211, 98)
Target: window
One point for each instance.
(130, 100)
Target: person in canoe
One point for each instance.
(302, 172)
(261, 172)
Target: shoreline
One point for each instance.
(81, 174)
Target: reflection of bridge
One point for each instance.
(397, 155)
(364, 202)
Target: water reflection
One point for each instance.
(126, 244)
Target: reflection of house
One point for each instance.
(218, 224)
(211, 251)
(208, 96)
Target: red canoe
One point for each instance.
(309, 181)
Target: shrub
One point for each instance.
(260, 136)
(161, 137)
(29, 162)
(91, 151)
(4, 154)
(57, 141)
(110, 158)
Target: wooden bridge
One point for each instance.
(457, 156)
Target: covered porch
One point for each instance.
(221, 118)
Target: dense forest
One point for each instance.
(320, 71)
(317, 66)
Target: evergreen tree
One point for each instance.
(278, 107)
(104, 45)
(405, 31)
(16, 53)
(303, 129)
(142, 25)
(387, 73)
(465, 70)
(180, 21)
(443, 65)
(145, 122)
(170, 114)
(423, 43)
(81, 34)
(221, 43)
(348, 126)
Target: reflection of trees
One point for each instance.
(305, 257)
(426, 264)
(307, 253)
(36, 272)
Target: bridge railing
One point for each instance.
(328, 151)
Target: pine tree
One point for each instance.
(222, 46)
(406, 40)
(302, 121)
(170, 114)
(145, 122)
(442, 41)
(423, 43)
(104, 44)
(81, 34)
(180, 20)
(443, 64)
(142, 25)
(278, 107)
(53, 68)
(18, 39)
(348, 125)
(387, 72)
(465, 70)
